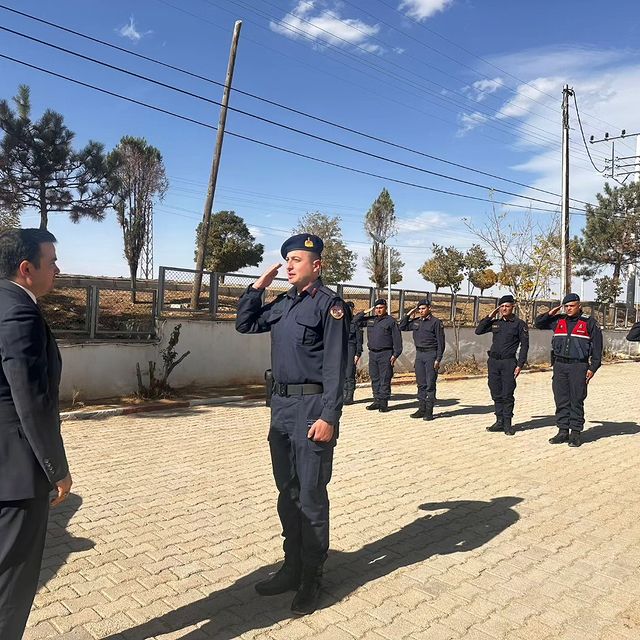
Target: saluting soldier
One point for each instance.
(503, 366)
(309, 331)
(634, 333)
(384, 342)
(353, 355)
(576, 355)
(429, 339)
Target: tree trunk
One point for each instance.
(44, 213)
(132, 271)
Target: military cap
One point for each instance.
(350, 304)
(424, 303)
(508, 299)
(380, 301)
(302, 242)
(571, 297)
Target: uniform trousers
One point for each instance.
(426, 375)
(570, 391)
(23, 528)
(502, 385)
(302, 470)
(381, 372)
(350, 371)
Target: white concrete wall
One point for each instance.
(221, 356)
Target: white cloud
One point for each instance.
(480, 89)
(423, 9)
(469, 121)
(131, 32)
(324, 25)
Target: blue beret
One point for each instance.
(302, 242)
(380, 301)
(508, 299)
(571, 297)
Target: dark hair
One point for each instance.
(351, 304)
(17, 245)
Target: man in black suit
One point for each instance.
(32, 457)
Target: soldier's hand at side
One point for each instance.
(392, 360)
(517, 371)
(267, 277)
(552, 312)
(436, 365)
(63, 487)
(320, 431)
(356, 359)
(590, 375)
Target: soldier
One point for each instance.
(385, 346)
(353, 355)
(634, 333)
(576, 356)
(508, 333)
(309, 331)
(428, 336)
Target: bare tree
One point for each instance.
(137, 178)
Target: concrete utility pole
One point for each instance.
(565, 256)
(208, 205)
(389, 278)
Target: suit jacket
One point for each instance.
(32, 456)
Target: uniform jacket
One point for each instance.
(634, 333)
(428, 333)
(382, 333)
(507, 336)
(32, 456)
(356, 333)
(309, 334)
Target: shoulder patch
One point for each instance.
(337, 312)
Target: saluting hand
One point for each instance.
(267, 277)
(552, 312)
(320, 431)
(494, 313)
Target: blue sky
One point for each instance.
(478, 83)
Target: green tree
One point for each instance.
(338, 262)
(381, 224)
(484, 279)
(39, 168)
(475, 262)
(607, 289)
(444, 269)
(137, 178)
(611, 236)
(8, 220)
(230, 245)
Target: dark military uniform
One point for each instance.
(354, 350)
(428, 336)
(576, 348)
(507, 335)
(309, 334)
(634, 333)
(383, 341)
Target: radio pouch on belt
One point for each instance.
(268, 384)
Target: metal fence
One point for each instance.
(220, 292)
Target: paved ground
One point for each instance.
(440, 530)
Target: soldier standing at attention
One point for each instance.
(576, 353)
(309, 331)
(353, 355)
(428, 336)
(384, 342)
(508, 333)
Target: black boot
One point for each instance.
(287, 578)
(497, 425)
(306, 600)
(574, 438)
(428, 412)
(421, 409)
(373, 406)
(561, 437)
(383, 406)
(508, 427)
(348, 397)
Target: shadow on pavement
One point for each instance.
(60, 544)
(471, 410)
(608, 429)
(537, 422)
(237, 609)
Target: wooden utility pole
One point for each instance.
(208, 205)
(565, 256)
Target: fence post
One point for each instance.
(372, 296)
(161, 279)
(94, 310)
(401, 304)
(214, 282)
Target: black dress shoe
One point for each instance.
(508, 427)
(306, 600)
(574, 439)
(373, 406)
(561, 437)
(496, 426)
(384, 407)
(418, 414)
(287, 578)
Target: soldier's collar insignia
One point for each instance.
(337, 312)
(308, 243)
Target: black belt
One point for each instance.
(570, 360)
(496, 356)
(285, 390)
(426, 349)
(380, 350)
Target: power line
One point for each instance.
(273, 146)
(276, 123)
(260, 98)
(584, 139)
